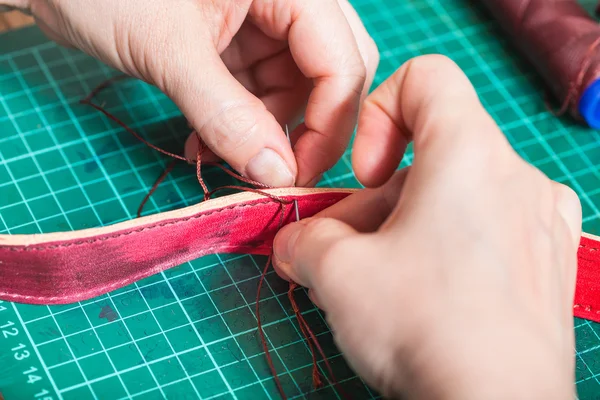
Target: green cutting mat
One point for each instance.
(191, 331)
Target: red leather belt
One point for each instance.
(59, 268)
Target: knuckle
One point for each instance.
(271, 12)
(568, 205)
(354, 65)
(357, 68)
(432, 69)
(352, 74)
(567, 195)
(354, 79)
(373, 54)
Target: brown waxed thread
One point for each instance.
(309, 336)
(162, 176)
(316, 374)
(576, 85)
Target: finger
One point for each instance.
(192, 146)
(249, 46)
(363, 212)
(276, 73)
(312, 295)
(279, 85)
(42, 13)
(367, 209)
(301, 249)
(366, 45)
(325, 50)
(283, 88)
(23, 5)
(232, 122)
(431, 100)
(52, 34)
(287, 107)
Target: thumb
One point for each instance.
(305, 251)
(232, 122)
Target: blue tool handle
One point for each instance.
(589, 105)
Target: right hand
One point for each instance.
(455, 279)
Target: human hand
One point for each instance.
(238, 70)
(455, 279)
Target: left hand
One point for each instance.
(238, 70)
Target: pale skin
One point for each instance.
(239, 70)
(460, 270)
(455, 279)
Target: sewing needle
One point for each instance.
(287, 133)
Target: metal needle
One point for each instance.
(287, 133)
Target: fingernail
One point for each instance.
(269, 168)
(283, 248)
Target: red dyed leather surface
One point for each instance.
(78, 269)
(587, 291)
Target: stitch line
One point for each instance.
(96, 291)
(590, 309)
(146, 228)
(130, 232)
(584, 246)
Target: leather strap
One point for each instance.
(587, 289)
(66, 267)
(59, 268)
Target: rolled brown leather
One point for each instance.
(556, 37)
